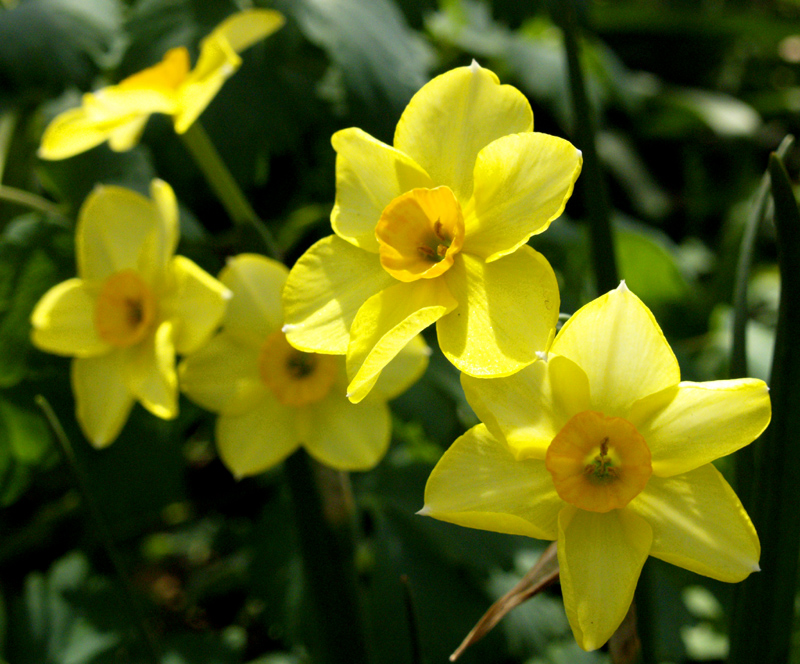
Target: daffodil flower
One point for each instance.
(272, 398)
(434, 229)
(601, 447)
(119, 113)
(132, 307)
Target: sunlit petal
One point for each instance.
(454, 117)
(63, 321)
(403, 371)
(114, 226)
(528, 408)
(258, 439)
(195, 305)
(243, 29)
(507, 312)
(620, 346)
(102, 399)
(386, 323)
(522, 183)
(369, 175)
(254, 312)
(325, 288)
(343, 435)
(150, 373)
(692, 424)
(699, 524)
(479, 483)
(223, 376)
(600, 557)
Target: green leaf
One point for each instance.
(647, 264)
(383, 61)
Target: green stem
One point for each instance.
(225, 187)
(8, 122)
(323, 507)
(763, 614)
(102, 530)
(592, 181)
(29, 200)
(745, 458)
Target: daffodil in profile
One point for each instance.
(272, 398)
(119, 113)
(133, 306)
(433, 230)
(601, 447)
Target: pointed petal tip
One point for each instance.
(425, 511)
(542, 355)
(474, 66)
(227, 294)
(288, 328)
(623, 287)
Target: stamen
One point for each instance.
(426, 252)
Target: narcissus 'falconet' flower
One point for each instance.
(132, 307)
(119, 113)
(272, 398)
(601, 447)
(434, 229)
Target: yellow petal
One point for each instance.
(692, 424)
(116, 229)
(259, 439)
(618, 343)
(507, 312)
(600, 557)
(167, 207)
(243, 29)
(386, 323)
(126, 136)
(455, 116)
(150, 373)
(219, 59)
(254, 312)
(699, 524)
(110, 113)
(63, 321)
(479, 484)
(369, 175)
(195, 305)
(102, 399)
(529, 408)
(345, 436)
(223, 376)
(403, 371)
(522, 183)
(324, 290)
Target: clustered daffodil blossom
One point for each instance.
(119, 113)
(132, 307)
(272, 398)
(434, 229)
(600, 446)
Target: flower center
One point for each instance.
(598, 463)
(419, 234)
(125, 309)
(295, 378)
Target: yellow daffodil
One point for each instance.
(118, 113)
(272, 398)
(434, 229)
(601, 447)
(132, 308)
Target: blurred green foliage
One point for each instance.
(690, 98)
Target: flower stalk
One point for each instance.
(598, 211)
(762, 622)
(225, 186)
(323, 508)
